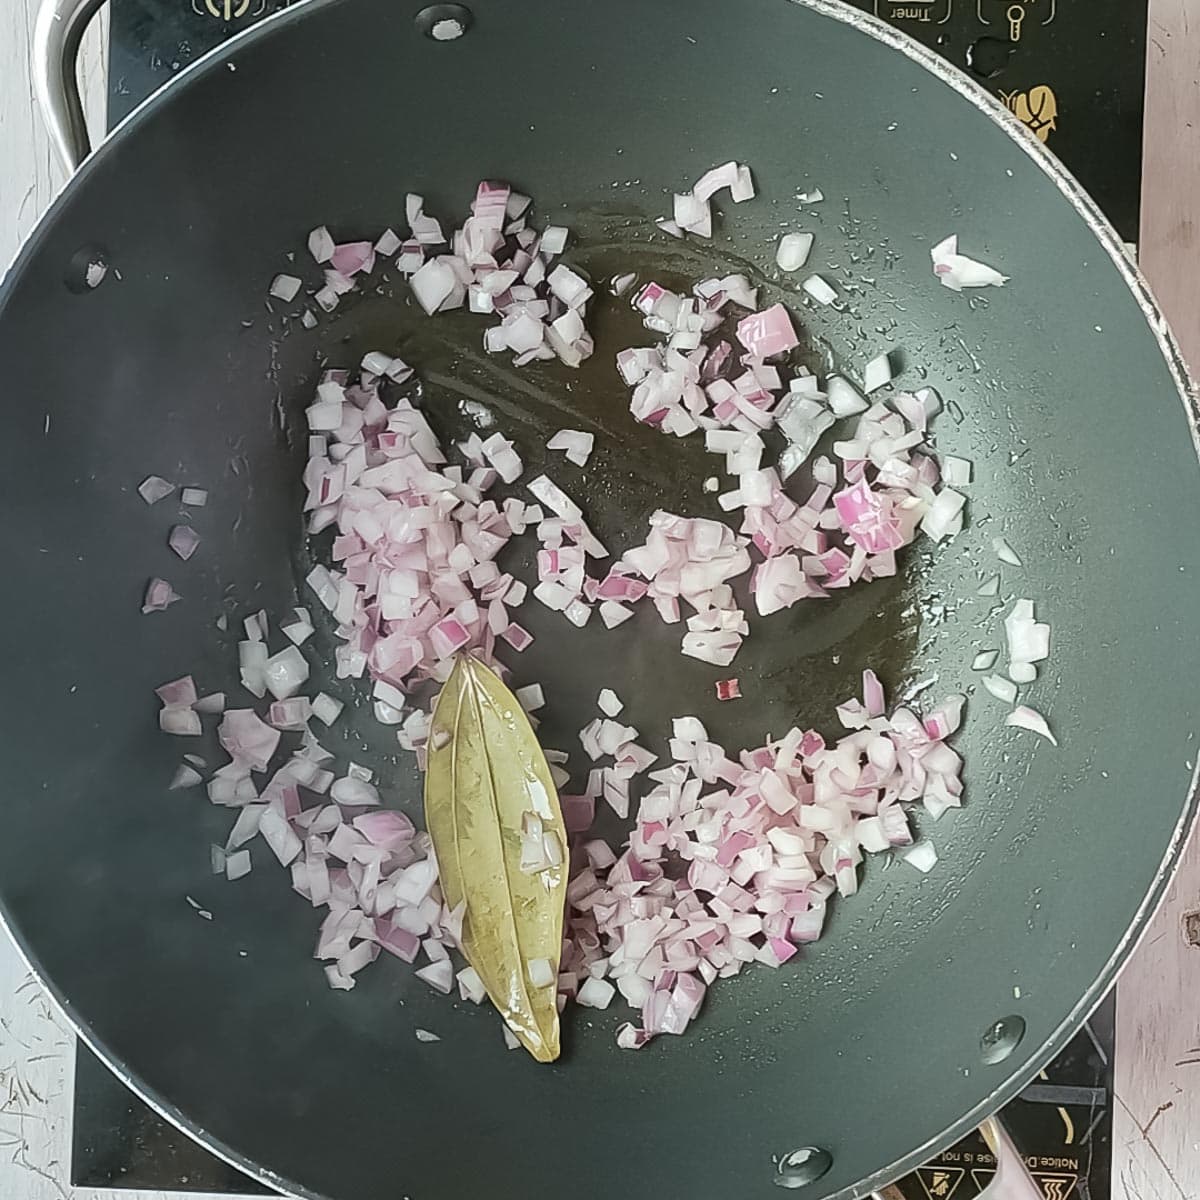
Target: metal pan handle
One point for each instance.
(57, 35)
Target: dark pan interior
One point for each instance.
(1058, 390)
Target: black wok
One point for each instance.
(1064, 389)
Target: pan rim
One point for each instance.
(1108, 239)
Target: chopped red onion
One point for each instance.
(728, 689)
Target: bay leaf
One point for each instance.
(487, 781)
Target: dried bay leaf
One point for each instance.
(492, 811)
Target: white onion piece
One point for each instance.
(238, 865)
(194, 497)
(922, 855)
(990, 587)
(985, 660)
(1028, 718)
(844, 398)
(424, 1035)
(595, 993)
(159, 596)
(1004, 552)
(957, 271)
(439, 975)
(1003, 689)
(956, 472)
(793, 251)
(609, 702)
(285, 287)
(877, 373)
(575, 444)
(154, 488)
(285, 673)
(320, 244)
(819, 289)
(1020, 672)
(183, 539)
(185, 777)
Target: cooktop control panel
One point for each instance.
(1073, 72)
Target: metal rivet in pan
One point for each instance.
(444, 22)
(802, 1167)
(86, 269)
(1001, 1039)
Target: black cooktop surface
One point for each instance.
(1075, 74)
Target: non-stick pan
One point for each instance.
(931, 999)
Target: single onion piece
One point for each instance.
(439, 975)
(956, 472)
(184, 777)
(1003, 689)
(153, 488)
(159, 595)
(1028, 718)
(194, 497)
(179, 693)
(183, 722)
(423, 1035)
(576, 444)
(728, 689)
(819, 289)
(877, 373)
(793, 251)
(183, 539)
(320, 244)
(238, 865)
(285, 287)
(957, 271)
(922, 855)
(609, 702)
(985, 660)
(530, 698)
(285, 673)
(595, 993)
(1004, 552)
(768, 333)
